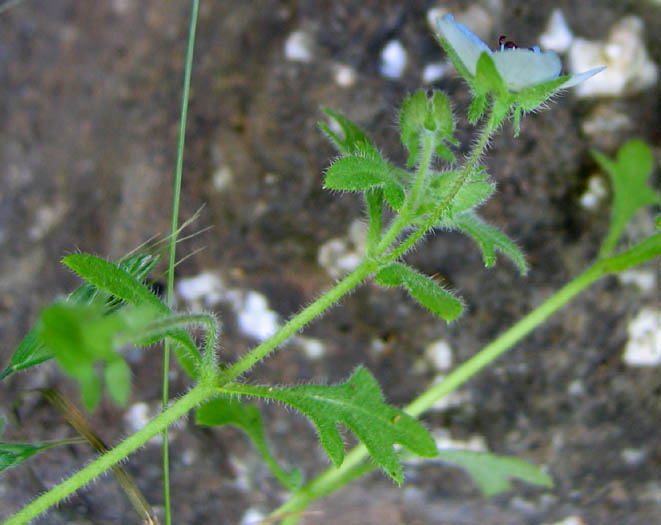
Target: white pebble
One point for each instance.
(571, 520)
(439, 354)
(606, 120)
(137, 416)
(644, 345)
(393, 60)
(629, 66)
(345, 76)
(634, 456)
(444, 440)
(576, 388)
(311, 346)
(298, 47)
(254, 316)
(557, 37)
(645, 280)
(340, 256)
(252, 517)
(207, 288)
(222, 178)
(433, 72)
(595, 193)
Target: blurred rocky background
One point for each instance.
(89, 107)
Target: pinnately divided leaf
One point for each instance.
(629, 175)
(226, 411)
(429, 294)
(492, 473)
(358, 404)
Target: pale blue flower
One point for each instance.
(519, 68)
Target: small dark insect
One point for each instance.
(508, 44)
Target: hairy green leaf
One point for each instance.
(81, 336)
(374, 202)
(423, 115)
(411, 122)
(109, 277)
(477, 108)
(445, 153)
(13, 454)
(225, 411)
(492, 473)
(394, 195)
(423, 289)
(470, 196)
(489, 240)
(354, 141)
(487, 78)
(356, 173)
(629, 175)
(31, 351)
(358, 404)
(117, 377)
(530, 98)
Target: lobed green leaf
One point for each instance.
(226, 411)
(629, 175)
(358, 404)
(355, 173)
(492, 473)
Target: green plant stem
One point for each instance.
(353, 464)
(114, 456)
(473, 159)
(306, 315)
(176, 197)
(206, 389)
(404, 217)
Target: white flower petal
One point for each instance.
(519, 68)
(580, 77)
(522, 68)
(467, 46)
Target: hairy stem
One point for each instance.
(324, 302)
(353, 464)
(114, 456)
(473, 159)
(404, 217)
